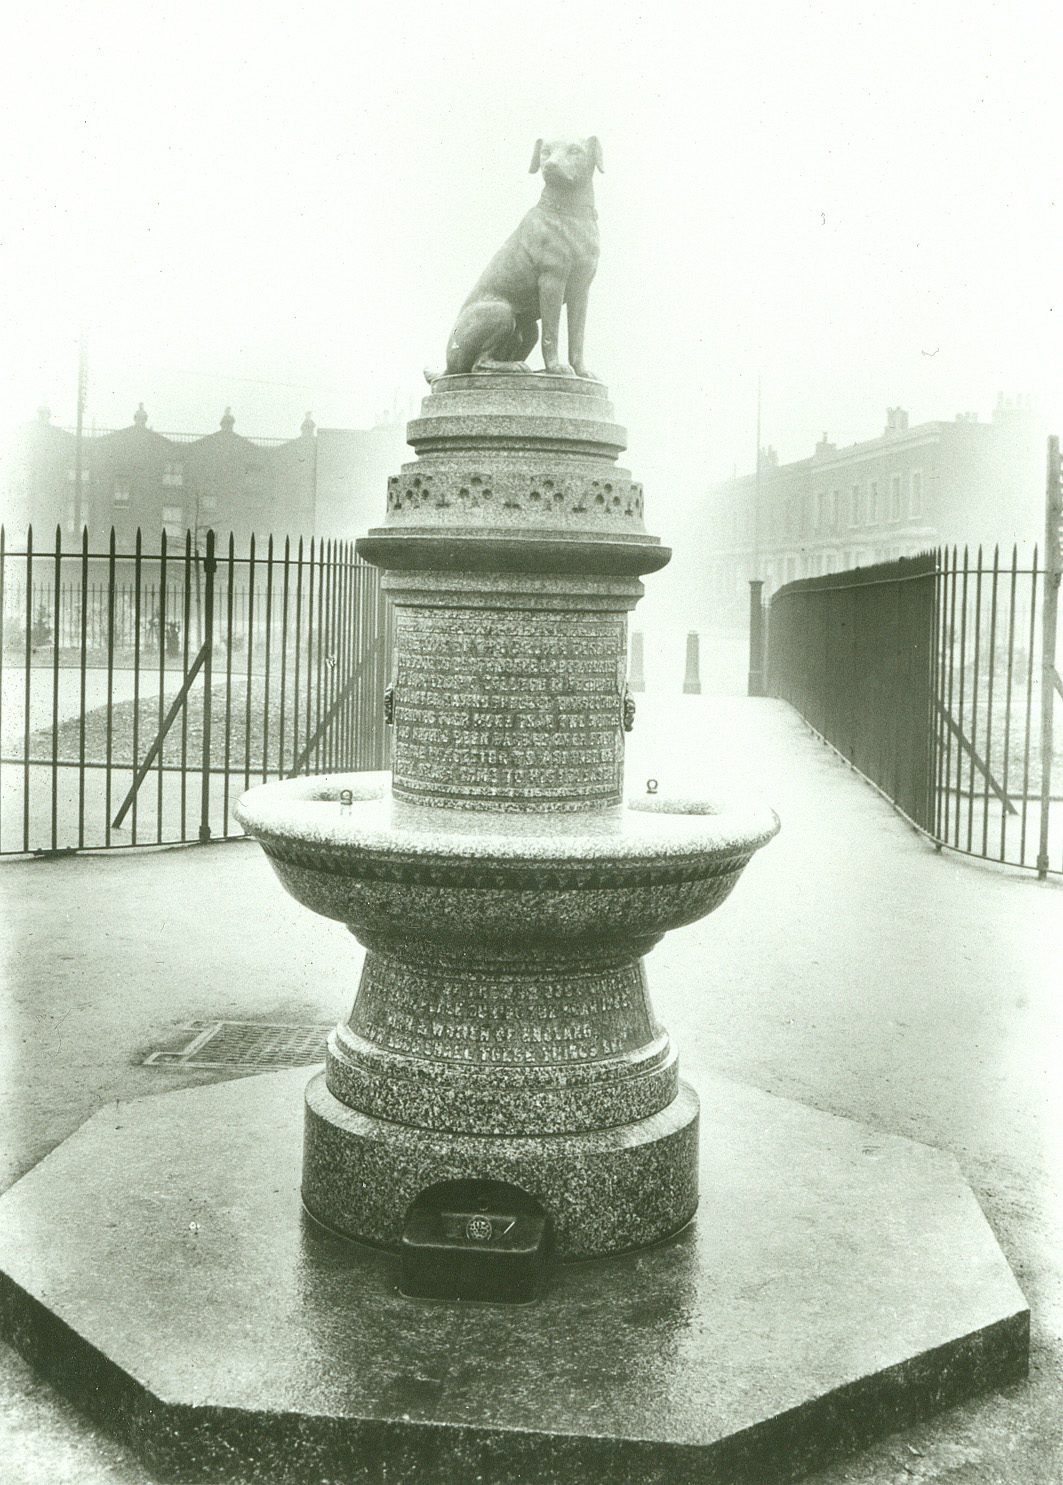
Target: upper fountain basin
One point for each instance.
(384, 867)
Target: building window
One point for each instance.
(821, 509)
(208, 504)
(173, 521)
(895, 497)
(71, 476)
(872, 501)
(173, 474)
(855, 513)
(123, 493)
(835, 508)
(915, 496)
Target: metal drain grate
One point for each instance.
(245, 1044)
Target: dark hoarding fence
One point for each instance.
(853, 652)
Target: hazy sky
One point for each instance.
(282, 207)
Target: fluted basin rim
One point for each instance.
(308, 811)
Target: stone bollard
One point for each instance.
(692, 674)
(636, 666)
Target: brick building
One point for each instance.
(962, 482)
(325, 482)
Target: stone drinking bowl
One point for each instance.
(512, 885)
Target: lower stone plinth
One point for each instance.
(605, 1190)
(835, 1284)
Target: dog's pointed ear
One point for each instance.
(536, 156)
(596, 152)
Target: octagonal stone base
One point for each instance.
(836, 1283)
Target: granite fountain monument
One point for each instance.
(505, 893)
(502, 1070)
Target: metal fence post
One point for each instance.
(757, 637)
(209, 565)
(1050, 681)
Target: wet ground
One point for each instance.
(854, 969)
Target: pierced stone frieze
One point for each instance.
(535, 496)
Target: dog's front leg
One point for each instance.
(578, 294)
(551, 298)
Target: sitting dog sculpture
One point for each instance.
(549, 260)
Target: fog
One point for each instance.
(282, 209)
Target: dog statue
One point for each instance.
(549, 260)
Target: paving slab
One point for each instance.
(836, 1282)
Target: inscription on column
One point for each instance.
(511, 707)
(501, 1018)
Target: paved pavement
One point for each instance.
(854, 968)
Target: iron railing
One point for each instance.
(988, 764)
(141, 691)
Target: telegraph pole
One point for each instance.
(83, 377)
(755, 685)
(756, 496)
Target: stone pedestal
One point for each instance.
(503, 1028)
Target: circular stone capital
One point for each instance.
(515, 473)
(510, 551)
